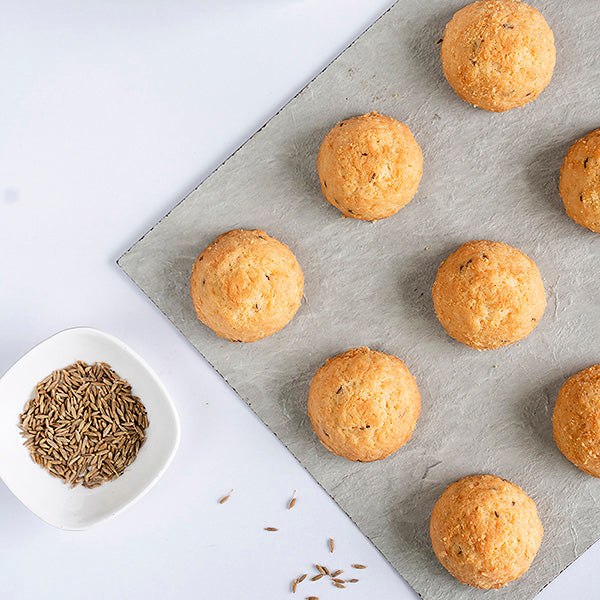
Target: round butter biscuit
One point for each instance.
(580, 181)
(576, 420)
(488, 295)
(485, 531)
(369, 166)
(498, 54)
(246, 285)
(363, 404)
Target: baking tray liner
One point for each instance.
(486, 176)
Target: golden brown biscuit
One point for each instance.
(485, 531)
(580, 181)
(576, 420)
(498, 54)
(488, 295)
(369, 166)
(246, 285)
(363, 404)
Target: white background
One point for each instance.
(110, 112)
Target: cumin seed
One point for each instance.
(225, 498)
(292, 501)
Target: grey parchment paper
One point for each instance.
(486, 176)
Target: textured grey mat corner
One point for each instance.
(485, 176)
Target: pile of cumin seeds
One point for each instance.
(83, 424)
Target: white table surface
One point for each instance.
(110, 112)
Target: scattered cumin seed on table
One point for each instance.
(331, 545)
(357, 566)
(336, 573)
(339, 585)
(312, 597)
(351, 580)
(337, 580)
(225, 498)
(302, 578)
(271, 529)
(292, 501)
(317, 577)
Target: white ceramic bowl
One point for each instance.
(49, 498)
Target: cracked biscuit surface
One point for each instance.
(488, 295)
(369, 166)
(576, 420)
(485, 531)
(498, 54)
(246, 285)
(580, 181)
(363, 404)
